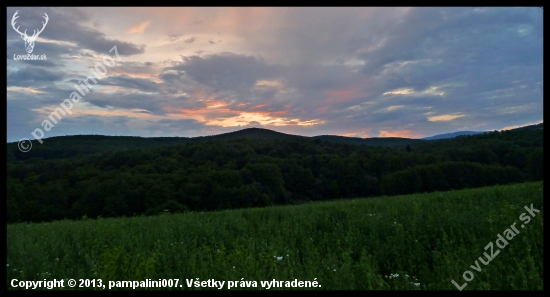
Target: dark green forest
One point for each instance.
(75, 176)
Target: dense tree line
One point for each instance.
(448, 175)
(237, 173)
(77, 145)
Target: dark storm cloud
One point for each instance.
(131, 83)
(227, 71)
(461, 39)
(19, 118)
(32, 76)
(127, 101)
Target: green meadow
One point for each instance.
(410, 242)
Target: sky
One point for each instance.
(357, 72)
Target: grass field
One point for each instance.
(361, 244)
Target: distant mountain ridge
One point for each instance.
(67, 146)
(249, 133)
(451, 135)
(463, 133)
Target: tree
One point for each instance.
(270, 179)
(535, 164)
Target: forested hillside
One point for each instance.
(254, 172)
(78, 145)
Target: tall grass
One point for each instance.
(428, 239)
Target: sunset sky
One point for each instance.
(361, 72)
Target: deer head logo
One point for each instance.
(29, 40)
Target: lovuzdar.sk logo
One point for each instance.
(29, 40)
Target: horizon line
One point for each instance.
(509, 128)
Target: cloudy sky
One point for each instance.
(361, 72)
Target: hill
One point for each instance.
(530, 127)
(452, 135)
(250, 133)
(466, 133)
(250, 172)
(69, 146)
(374, 141)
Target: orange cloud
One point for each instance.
(444, 118)
(150, 76)
(398, 133)
(24, 90)
(361, 134)
(280, 112)
(227, 117)
(110, 89)
(269, 83)
(259, 106)
(210, 111)
(138, 28)
(404, 91)
(215, 104)
(342, 95)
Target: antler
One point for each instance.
(15, 16)
(43, 25)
